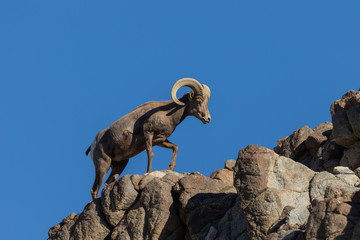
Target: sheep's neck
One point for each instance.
(178, 115)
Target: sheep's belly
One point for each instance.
(121, 152)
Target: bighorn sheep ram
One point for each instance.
(147, 125)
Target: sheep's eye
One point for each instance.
(198, 100)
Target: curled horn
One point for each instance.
(206, 91)
(197, 87)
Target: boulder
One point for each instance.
(331, 150)
(267, 184)
(203, 202)
(230, 164)
(347, 101)
(332, 219)
(331, 154)
(353, 115)
(345, 114)
(90, 224)
(63, 229)
(155, 210)
(223, 175)
(326, 185)
(342, 133)
(232, 225)
(351, 157)
(318, 137)
(116, 199)
(306, 145)
(294, 146)
(357, 172)
(347, 175)
(342, 170)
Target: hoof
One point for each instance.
(93, 194)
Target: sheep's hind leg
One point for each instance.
(116, 170)
(101, 168)
(149, 150)
(170, 145)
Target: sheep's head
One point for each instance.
(198, 98)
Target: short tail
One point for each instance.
(88, 150)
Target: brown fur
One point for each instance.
(147, 125)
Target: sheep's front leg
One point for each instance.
(170, 145)
(149, 150)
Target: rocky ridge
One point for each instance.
(306, 188)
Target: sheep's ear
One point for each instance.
(191, 95)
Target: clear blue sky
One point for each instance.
(70, 68)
